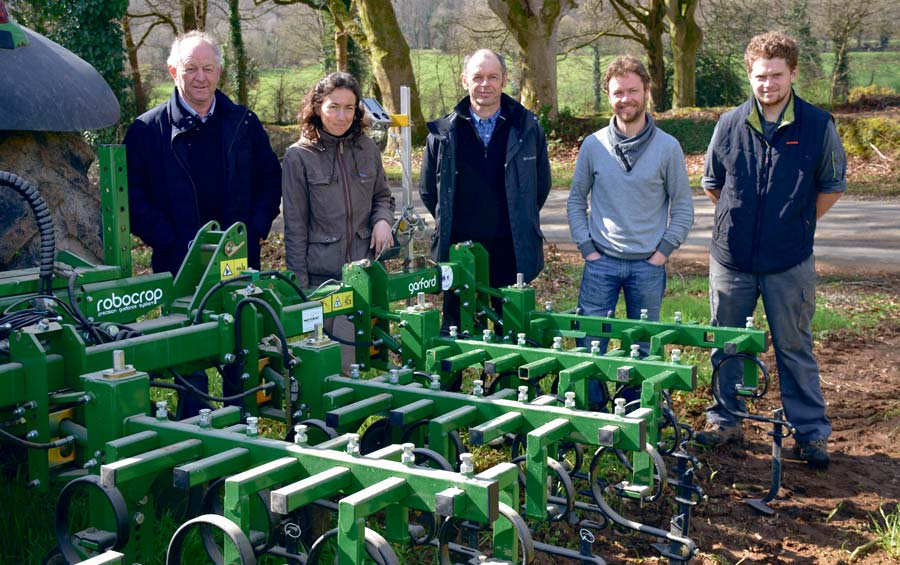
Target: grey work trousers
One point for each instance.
(789, 300)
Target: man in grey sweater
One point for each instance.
(640, 207)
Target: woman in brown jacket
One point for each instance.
(337, 204)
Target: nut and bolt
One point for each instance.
(353, 444)
(523, 394)
(749, 323)
(138, 518)
(466, 464)
(44, 324)
(570, 400)
(453, 331)
(548, 306)
(20, 411)
(252, 426)
(557, 343)
(229, 357)
(595, 347)
(520, 340)
(619, 410)
(394, 377)
(245, 376)
(676, 356)
(477, 387)
(486, 335)
(435, 382)
(300, 437)
(644, 314)
(520, 280)
(205, 417)
(354, 371)
(635, 351)
(420, 300)
(162, 410)
(32, 434)
(408, 458)
(118, 360)
(677, 317)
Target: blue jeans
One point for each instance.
(789, 299)
(643, 284)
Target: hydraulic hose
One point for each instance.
(44, 223)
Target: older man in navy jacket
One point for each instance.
(199, 157)
(196, 158)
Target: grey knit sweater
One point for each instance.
(632, 214)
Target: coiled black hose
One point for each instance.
(44, 223)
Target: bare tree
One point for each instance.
(534, 24)
(843, 19)
(686, 37)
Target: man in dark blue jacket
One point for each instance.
(196, 158)
(199, 157)
(775, 166)
(485, 177)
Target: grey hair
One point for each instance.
(175, 53)
(499, 57)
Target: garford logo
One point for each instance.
(121, 303)
(423, 284)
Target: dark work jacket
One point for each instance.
(765, 219)
(527, 180)
(161, 188)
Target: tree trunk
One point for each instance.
(389, 57)
(598, 78)
(193, 15)
(840, 77)
(140, 97)
(240, 54)
(686, 39)
(341, 49)
(656, 60)
(534, 24)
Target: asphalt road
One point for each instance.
(855, 236)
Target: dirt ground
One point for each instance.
(820, 517)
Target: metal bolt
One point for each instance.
(453, 331)
(595, 347)
(300, 437)
(319, 332)
(749, 324)
(252, 426)
(557, 343)
(465, 304)
(619, 410)
(33, 484)
(353, 444)
(118, 359)
(90, 463)
(138, 518)
(420, 300)
(32, 434)
(477, 387)
(229, 357)
(112, 329)
(360, 332)
(644, 313)
(90, 298)
(548, 306)
(677, 317)
(205, 417)
(466, 465)
(408, 458)
(245, 376)
(227, 318)
(520, 340)
(635, 351)
(570, 400)
(435, 382)
(162, 410)
(394, 377)
(676, 356)
(354, 371)
(520, 280)
(486, 335)
(44, 324)
(20, 411)
(523, 394)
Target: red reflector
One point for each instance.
(4, 15)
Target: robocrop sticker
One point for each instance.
(118, 303)
(446, 277)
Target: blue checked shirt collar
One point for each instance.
(484, 126)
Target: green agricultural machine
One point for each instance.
(468, 444)
(305, 462)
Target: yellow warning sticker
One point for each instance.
(337, 302)
(232, 268)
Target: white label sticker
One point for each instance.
(311, 317)
(446, 277)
